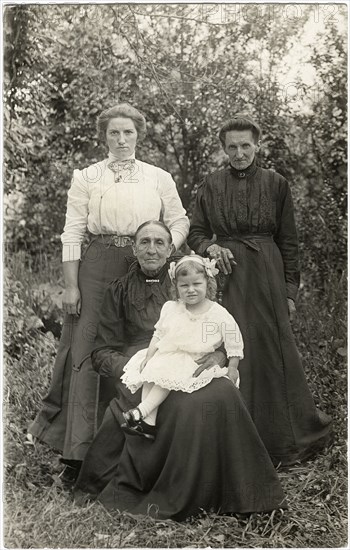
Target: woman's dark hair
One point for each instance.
(188, 267)
(241, 121)
(121, 110)
(154, 222)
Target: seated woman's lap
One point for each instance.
(181, 418)
(207, 454)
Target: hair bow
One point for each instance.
(209, 265)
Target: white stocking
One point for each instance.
(152, 397)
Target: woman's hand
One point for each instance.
(71, 298)
(209, 360)
(233, 373)
(223, 256)
(72, 301)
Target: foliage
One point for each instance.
(329, 119)
(323, 242)
(321, 186)
(28, 354)
(175, 62)
(21, 322)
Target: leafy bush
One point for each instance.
(28, 351)
(21, 322)
(323, 237)
(186, 74)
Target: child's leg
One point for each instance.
(152, 397)
(146, 388)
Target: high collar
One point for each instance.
(160, 276)
(112, 157)
(143, 289)
(249, 171)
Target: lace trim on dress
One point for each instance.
(184, 385)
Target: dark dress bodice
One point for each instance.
(233, 203)
(130, 309)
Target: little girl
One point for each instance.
(188, 329)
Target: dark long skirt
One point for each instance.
(273, 383)
(76, 401)
(207, 455)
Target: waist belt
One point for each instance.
(250, 241)
(119, 241)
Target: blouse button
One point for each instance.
(241, 174)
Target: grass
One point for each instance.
(39, 509)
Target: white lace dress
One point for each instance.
(184, 337)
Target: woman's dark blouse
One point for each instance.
(251, 202)
(130, 309)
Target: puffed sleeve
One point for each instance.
(76, 218)
(231, 335)
(286, 239)
(165, 314)
(173, 213)
(201, 234)
(108, 358)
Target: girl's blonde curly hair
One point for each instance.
(190, 266)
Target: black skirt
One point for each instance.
(273, 382)
(207, 455)
(75, 403)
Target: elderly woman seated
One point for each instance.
(207, 454)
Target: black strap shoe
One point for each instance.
(137, 427)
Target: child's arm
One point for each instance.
(152, 348)
(233, 342)
(158, 332)
(233, 370)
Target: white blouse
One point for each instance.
(104, 206)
